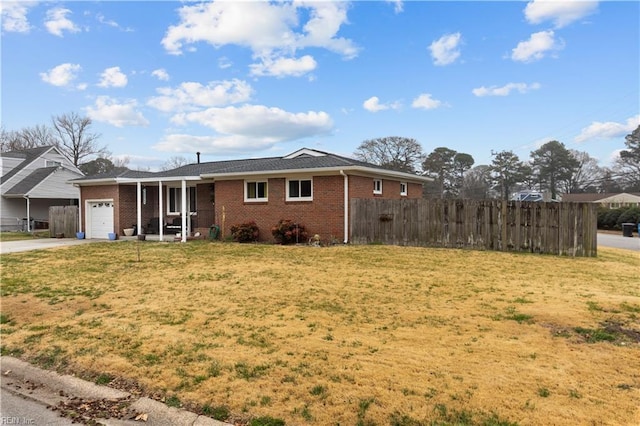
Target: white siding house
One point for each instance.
(32, 181)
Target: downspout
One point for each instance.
(346, 206)
(138, 207)
(26, 197)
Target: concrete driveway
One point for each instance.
(40, 244)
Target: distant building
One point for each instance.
(32, 181)
(608, 200)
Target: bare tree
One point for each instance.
(393, 152)
(586, 176)
(174, 162)
(26, 138)
(75, 138)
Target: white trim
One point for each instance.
(304, 151)
(288, 197)
(377, 191)
(256, 200)
(404, 188)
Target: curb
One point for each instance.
(50, 389)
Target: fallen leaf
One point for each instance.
(142, 417)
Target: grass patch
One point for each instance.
(319, 336)
(594, 335)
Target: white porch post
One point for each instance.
(160, 211)
(184, 211)
(139, 207)
(26, 197)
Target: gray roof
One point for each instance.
(593, 197)
(256, 165)
(29, 156)
(28, 183)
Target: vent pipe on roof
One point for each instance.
(198, 156)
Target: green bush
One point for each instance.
(289, 232)
(630, 215)
(608, 218)
(247, 232)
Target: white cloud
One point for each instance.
(108, 110)
(398, 5)
(250, 127)
(608, 129)
(281, 67)
(445, 50)
(113, 77)
(160, 74)
(373, 105)
(561, 13)
(425, 101)
(224, 63)
(61, 75)
(270, 30)
(505, 90)
(110, 22)
(191, 95)
(57, 22)
(536, 47)
(14, 16)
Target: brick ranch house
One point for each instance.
(307, 186)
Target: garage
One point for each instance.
(99, 219)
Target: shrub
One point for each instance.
(289, 232)
(614, 218)
(630, 215)
(245, 232)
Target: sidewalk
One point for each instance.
(55, 393)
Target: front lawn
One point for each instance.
(366, 335)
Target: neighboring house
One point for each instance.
(32, 181)
(311, 187)
(608, 200)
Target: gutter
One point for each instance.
(346, 206)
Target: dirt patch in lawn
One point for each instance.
(338, 335)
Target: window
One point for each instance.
(52, 163)
(377, 186)
(403, 188)
(256, 191)
(174, 205)
(300, 190)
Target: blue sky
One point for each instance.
(237, 79)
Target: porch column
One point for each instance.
(160, 211)
(26, 197)
(184, 211)
(139, 207)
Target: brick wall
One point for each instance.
(324, 215)
(106, 192)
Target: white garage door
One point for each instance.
(100, 218)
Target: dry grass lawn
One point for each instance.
(367, 335)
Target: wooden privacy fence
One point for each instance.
(535, 227)
(63, 220)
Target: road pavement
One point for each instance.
(618, 241)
